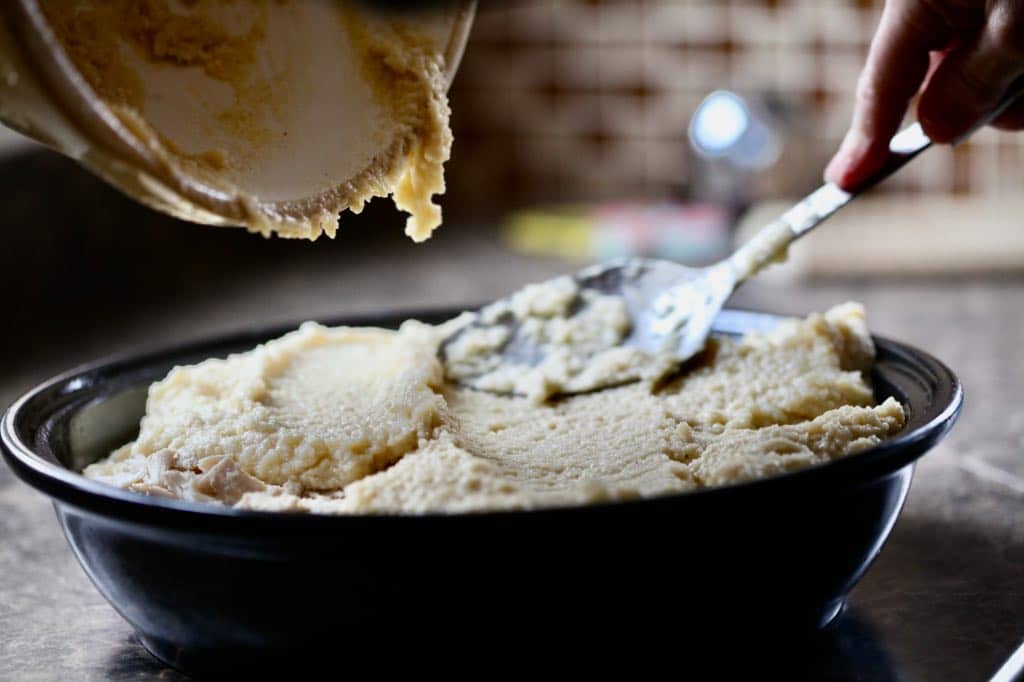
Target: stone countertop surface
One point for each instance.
(944, 600)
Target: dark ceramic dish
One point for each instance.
(210, 588)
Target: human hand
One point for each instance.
(960, 55)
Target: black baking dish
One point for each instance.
(210, 588)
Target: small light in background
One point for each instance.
(718, 123)
(726, 127)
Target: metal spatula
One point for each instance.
(672, 307)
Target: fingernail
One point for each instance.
(851, 152)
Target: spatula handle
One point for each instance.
(912, 140)
(820, 204)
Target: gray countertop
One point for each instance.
(945, 600)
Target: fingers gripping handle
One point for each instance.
(770, 243)
(912, 140)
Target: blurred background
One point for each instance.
(574, 98)
(588, 129)
(563, 100)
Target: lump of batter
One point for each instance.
(577, 332)
(317, 409)
(361, 421)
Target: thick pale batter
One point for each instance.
(403, 66)
(360, 421)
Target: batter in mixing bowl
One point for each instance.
(362, 420)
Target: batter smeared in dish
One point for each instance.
(577, 333)
(362, 421)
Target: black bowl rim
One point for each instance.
(71, 488)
